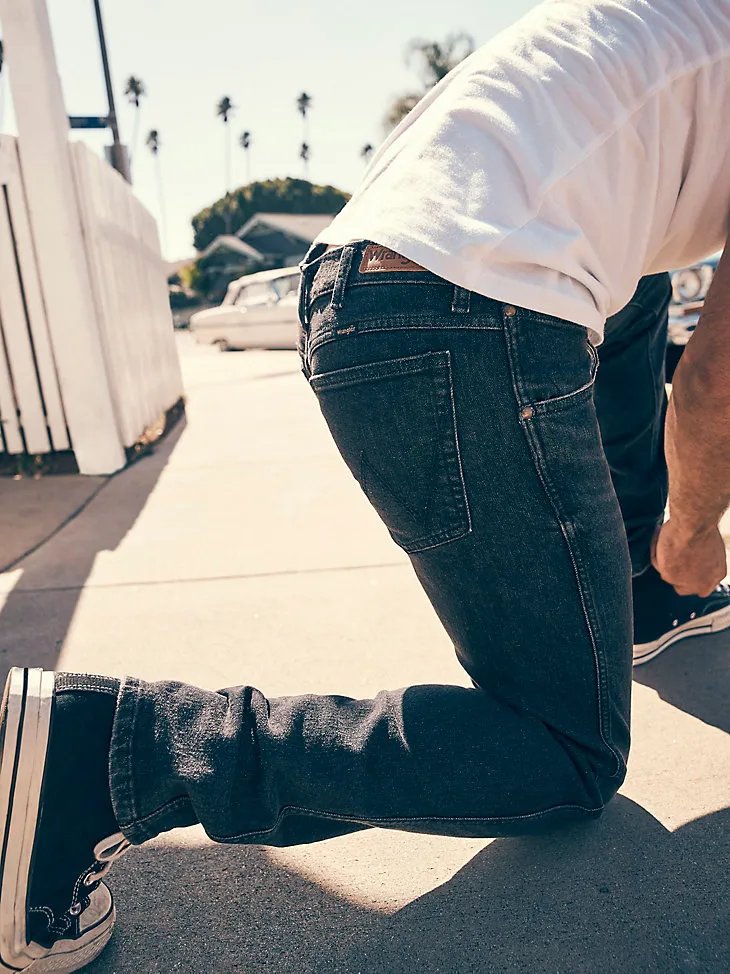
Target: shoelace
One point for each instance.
(106, 853)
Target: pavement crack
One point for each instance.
(243, 576)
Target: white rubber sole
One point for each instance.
(25, 722)
(701, 626)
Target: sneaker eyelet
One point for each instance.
(75, 909)
(90, 879)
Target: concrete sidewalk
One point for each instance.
(242, 551)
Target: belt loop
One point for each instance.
(343, 273)
(306, 267)
(462, 300)
(303, 300)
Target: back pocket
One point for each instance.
(394, 423)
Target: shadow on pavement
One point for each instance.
(36, 615)
(694, 676)
(622, 894)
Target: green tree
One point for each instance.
(268, 196)
(134, 91)
(244, 140)
(435, 59)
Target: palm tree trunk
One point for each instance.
(305, 141)
(228, 177)
(135, 136)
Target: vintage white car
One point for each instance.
(689, 289)
(258, 311)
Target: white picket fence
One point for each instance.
(130, 302)
(31, 408)
(130, 292)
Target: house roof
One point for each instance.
(227, 241)
(306, 226)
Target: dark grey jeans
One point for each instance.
(472, 428)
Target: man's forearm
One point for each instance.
(698, 421)
(697, 443)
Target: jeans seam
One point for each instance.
(324, 337)
(544, 407)
(540, 468)
(87, 686)
(139, 822)
(604, 722)
(122, 779)
(558, 402)
(455, 427)
(381, 821)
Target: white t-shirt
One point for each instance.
(585, 146)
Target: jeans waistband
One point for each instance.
(330, 270)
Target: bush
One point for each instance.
(270, 196)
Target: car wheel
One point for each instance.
(222, 344)
(688, 285)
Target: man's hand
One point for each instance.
(693, 564)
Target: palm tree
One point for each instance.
(153, 144)
(134, 90)
(244, 140)
(436, 60)
(304, 103)
(366, 152)
(304, 156)
(225, 109)
(400, 108)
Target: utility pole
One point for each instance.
(116, 152)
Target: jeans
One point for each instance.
(504, 454)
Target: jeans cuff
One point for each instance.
(121, 754)
(134, 821)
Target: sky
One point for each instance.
(349, 57)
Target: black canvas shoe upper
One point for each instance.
(658, 608)
(76, 809)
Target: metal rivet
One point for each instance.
(692, 615)
(675, 622)
(527, 413)
(510, 310)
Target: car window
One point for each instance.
(232, 294)
(286, 285)
(254, 294)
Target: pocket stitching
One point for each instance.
(437, 366)
(561, 402)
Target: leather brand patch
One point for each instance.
(381, 260)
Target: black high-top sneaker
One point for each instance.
(59, 834)
(662, 618)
